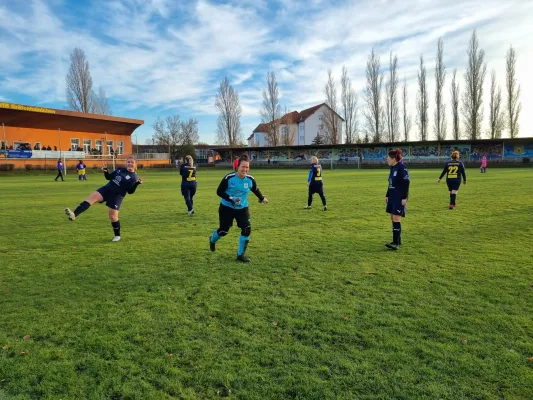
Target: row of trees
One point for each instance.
(383, 121)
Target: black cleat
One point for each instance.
(212, 246)
(243, 258)
(392, 246)
(325, 208)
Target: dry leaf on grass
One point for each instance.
(26, 337)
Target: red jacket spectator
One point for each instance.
(236, 164)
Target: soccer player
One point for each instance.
(59, 170)
(188, 183)
(234, 190)
(452, 169)
(483, 167)
(121, 181)
(81, 171)
(314, 181)
(397, 195)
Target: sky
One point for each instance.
(161, 57)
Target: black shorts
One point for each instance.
(316, 187)
(226, 215)
(453, 184)
(112, 199)
(394, 207)
(188, 191)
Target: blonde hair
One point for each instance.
(134, 160)
(314, 159)
(455, 155)
(189, 160)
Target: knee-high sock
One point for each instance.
(323, 198)
(188, 202)
(396, 232)
(452, 198)
(215, 237)
(84, 206)
(116, 227)
(243, 243)
(309, 199)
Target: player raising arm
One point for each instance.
(121, 182)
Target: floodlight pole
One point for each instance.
(6, 147)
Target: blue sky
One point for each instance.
(161, 57)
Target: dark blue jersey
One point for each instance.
(453, 169)
(121, 181)
(188, 175)
(398, 182)
(59, 166)
(315, 173)
(234, 190)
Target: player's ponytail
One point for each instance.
(396, 154)
(455, 155)
(242, 158)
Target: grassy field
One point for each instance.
(323, 311)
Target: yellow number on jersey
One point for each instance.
(452, 170)
(190, 177)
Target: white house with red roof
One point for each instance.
(305, 124)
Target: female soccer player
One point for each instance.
(452, 169)
(121, 181)
(188, 183)
(397, 195)
(234, 190)
(81, 171)
(314, 181)
(483, 167)
(59, 170)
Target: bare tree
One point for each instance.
(288, 127)
(422, 102)
(349, 108)
(496, 119)
(391, 107)
(229, 119)
(100, 104)
(168, 133)
(374, 114)
(513, 94)
(454, 91)
(79, 83)
(189, 131)
(406, 117)
(473, 96)
(440, 107)
(332, 125)
(271, 111)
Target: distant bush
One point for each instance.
(7, 167)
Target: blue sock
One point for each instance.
(243, 243)
(215, 237)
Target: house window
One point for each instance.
(321, 118)
(284, 131)
(99, 145)
(302, 139)
(74, 144)
(109, 146)
(37, 146)
(320, 127)
(87, 145)
(120, 147)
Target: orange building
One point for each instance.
(64, 131)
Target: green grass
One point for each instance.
(323, 311)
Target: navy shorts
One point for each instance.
(316, 187)
(453, 184)
(112, 199)
(188, 191)
(394, 207)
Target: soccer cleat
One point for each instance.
(212, 246)
(325, 208)
(116, 239)
(307, 207)
(392, 246)
(70, 214)
(190, 212)
(243, 258)
(452, 206)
